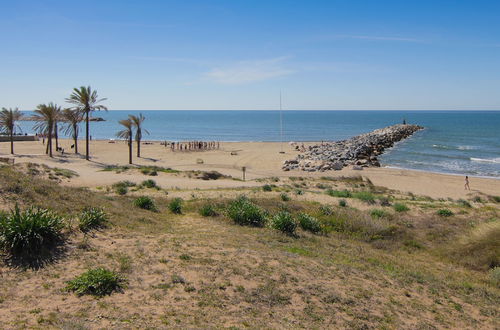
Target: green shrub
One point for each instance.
(377, 213)
(284, 197)
(299, 192)
(284, 222)
(146, 203)
(243, 212)
(149, 183)
(121, 188)
(97, 282)
(175, 206)
(92, 218)
(326, 210)
(153, 173)
(365, 196)
(495, 276)
(29, 233)
(339, 193)
(495, 199)
(464, 203)
(309, 223)
(208, 210)
(342, 203)
(444, 213)
(477, 199)
(267, 187)
(399, 207)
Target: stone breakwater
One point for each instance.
(360, 151)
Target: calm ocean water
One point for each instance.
(458, 142)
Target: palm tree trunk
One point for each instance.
(55, 135)
(75, 136)
(138, 148)
(130, 149)
(49, 144)
(11, 143)
(87, 135)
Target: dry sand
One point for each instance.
(261, 159)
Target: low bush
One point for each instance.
(399, 207)
(326, 210)
(284, 197)
(284, 222)
(464, 203)
(495, 199)
(208, 210)
(309, 223)
(121, 188)
(378, 213)
(267, 187)
(149, 183)
(444, 213)
(175, 205)
(97, 282)
(480, 248)
(342, 203)
(29, 233)
(365, 196)
(243, 212)
(299, 192)
(146, 203)
(92, 218)
(339, 193)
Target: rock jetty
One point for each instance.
(360, 151)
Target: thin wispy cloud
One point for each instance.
(249, 71)
(372, 38)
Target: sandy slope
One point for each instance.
(261, 159)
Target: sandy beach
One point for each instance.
(261, 160)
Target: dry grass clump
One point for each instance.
(479, 249)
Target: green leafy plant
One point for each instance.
(365, 196)
(92, 218)
(267, 187)
(149, 183)
(399, 207)
(146, 203)
(339, 193)
(284, 222)
(29, 233)
(326, 210)
(309, 223)
(243, 212)
(121, 188)
(97, 282)
(175, 206)
(208, 210)
(284, 197)
(444, 213)
(378, 213)
(342, 203)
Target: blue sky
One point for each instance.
(239, 54)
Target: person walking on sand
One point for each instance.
(467, 183)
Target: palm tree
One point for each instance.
(86, 100)
(137, 122)
(127, 134)
(45, 116)
(72, 119)
(8, 124)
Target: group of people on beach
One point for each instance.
(194, 145)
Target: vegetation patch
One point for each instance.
(175, 205)
(243, 212)
(365, 196)
(339, 193)
(31, 233)
(121, 188)
(378, 213)
(149, 184)
(285, 197)
(92, 218)
(309, 223)
(284, 222)
(444, 213)
(400, 207)
(208, 210)
(146, 203)
(97, 282)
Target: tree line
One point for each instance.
(48, 116)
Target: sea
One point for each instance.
(455, 142)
